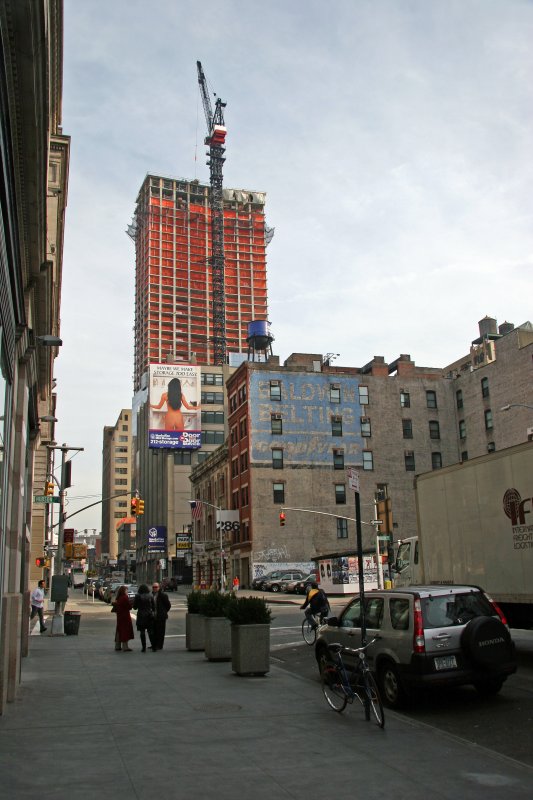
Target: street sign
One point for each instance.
(353, 479)
(43, 498)
(376, 522)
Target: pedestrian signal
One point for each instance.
(281, 519)
(133, 506)
(140, 507)
(40, 562)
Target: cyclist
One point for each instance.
(316, 603)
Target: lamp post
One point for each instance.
(217, 509)
(515, 405)
(57, 619)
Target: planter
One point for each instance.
(250, 649)
(195, 631)
(217, 639)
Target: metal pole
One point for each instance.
(58, 628)
(222, 582)
(360, 566)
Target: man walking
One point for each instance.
(162, 607)
(37, 605)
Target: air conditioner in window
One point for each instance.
(530, 434)
(276, 416)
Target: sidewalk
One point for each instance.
(90, 722)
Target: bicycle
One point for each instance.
(341, 685)
(309, 631)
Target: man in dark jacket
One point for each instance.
(162, 607)
(316, 603)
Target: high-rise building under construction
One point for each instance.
(173, 282)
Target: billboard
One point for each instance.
(174, 402)
(157, 538)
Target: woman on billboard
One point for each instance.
(175, 399)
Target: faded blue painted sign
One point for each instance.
(306, 411)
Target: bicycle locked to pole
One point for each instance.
(341, 684)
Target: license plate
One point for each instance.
(445, 662)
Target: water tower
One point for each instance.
(259, 340)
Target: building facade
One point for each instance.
(116, 481)
(295, 429)
(33, 191)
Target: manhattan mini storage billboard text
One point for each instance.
(174, 400)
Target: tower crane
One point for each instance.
(215, 139)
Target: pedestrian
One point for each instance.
(144, 603)
(37, 605)
(236, 583)
(124, 630)
(162, 607)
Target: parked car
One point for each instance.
(300, 586)
(258, 583)
(278, 584)
(429, 636)
(109, 592)
(132, 590)
(169, 585)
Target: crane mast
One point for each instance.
(215, 139)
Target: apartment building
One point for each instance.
(116, 481)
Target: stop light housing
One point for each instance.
(140, 507)
(49, 489)
(281, 519)
(133, 506)
(40, 562)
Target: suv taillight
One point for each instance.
(497, 609)
(419, 643)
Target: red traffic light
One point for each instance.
(133, 506)
(281, 519)
(40, 562)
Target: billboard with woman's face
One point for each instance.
(174, 400)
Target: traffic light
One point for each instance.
(133, 506)
(49, 489)
(40, 562)
(281, 519)
(140, 507)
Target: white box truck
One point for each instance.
(475, 526)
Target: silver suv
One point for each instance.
(428, 636)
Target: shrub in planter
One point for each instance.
(214, 604)
(250, 635)
(194, 623)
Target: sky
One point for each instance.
(393, 141)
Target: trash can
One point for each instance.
(72, 622)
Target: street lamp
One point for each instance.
(49, 341)
(217, 509)
(515, 405)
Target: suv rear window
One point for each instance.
(454, 609)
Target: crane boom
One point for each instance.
(215, 139)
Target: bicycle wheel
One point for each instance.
(333, 688)
(308, 632)
(373, 697)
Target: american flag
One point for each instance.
(196, 509)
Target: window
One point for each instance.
(407, 426)
(436, 460)
(462, 429)
(334, 393)
(243, 427)
(363, 395)
(233, 403)
(338, 459)
(488, 420)
(121, 470)
(459, 398)
(464, 455)
(399, 614)
(405, 400)
(212, 437)
(235, 500)
(340, 494)
(123, 438)
(491, 447)
(278, 492)
(244, 496)
(431, 399)
(121, 460)
(434, 429)
(336, 426)
(210, 379)
(365, 427)
(212, 417)
(275, 390)
(368, 459)
(342, 528)
(182, 457)
(485, 387)
(276, 424)
(212, 397)
(121, 481)
(277, 459)
(234, 437)
(244, 462)
(234, 467)
(202, 457)
(409, 457)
